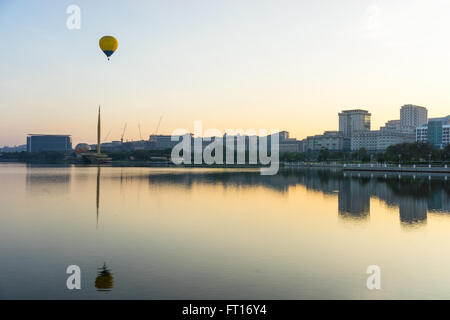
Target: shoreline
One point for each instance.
(387, 168)
(375, 167)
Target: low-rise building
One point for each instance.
(379, 140)
(289, 144)
(294, 146)
(163, 142)
(331, 140)
(20, 148)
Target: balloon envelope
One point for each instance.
(108, 44)
(104, 280)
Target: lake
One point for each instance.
(174, 233)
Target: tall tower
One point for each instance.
(98, 132)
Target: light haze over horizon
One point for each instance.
(287, 65)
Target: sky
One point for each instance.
(286, 65)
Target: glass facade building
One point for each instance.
(59, 143)
(435, 133)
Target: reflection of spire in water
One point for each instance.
(104, 280)
(98, 192)
(99, 129)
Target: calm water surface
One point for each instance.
(149, 233)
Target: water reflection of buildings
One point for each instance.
(41, 181)
(415, 196)
(354, 198)
(439, 202)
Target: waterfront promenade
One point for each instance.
(379, 167)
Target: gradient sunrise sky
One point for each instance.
(289, 65)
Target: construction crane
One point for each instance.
(107, 136)
(157, 127)
(140, 134)
(153, 135)
(123, 133)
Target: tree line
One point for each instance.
(417, 152)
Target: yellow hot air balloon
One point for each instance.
(108, 44)
(104, 280)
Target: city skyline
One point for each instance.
(227, 155)
(244, 65)
(389, 127)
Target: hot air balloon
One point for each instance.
(108, 44)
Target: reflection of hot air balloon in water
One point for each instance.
(104, 280)
(108, 44)
(98, 193)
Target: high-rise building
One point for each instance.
(412, 116)
(351, 121)
(44, 142)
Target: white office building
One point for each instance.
(445, 135)
(379, 140)
(422, 133)
(391, 125)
